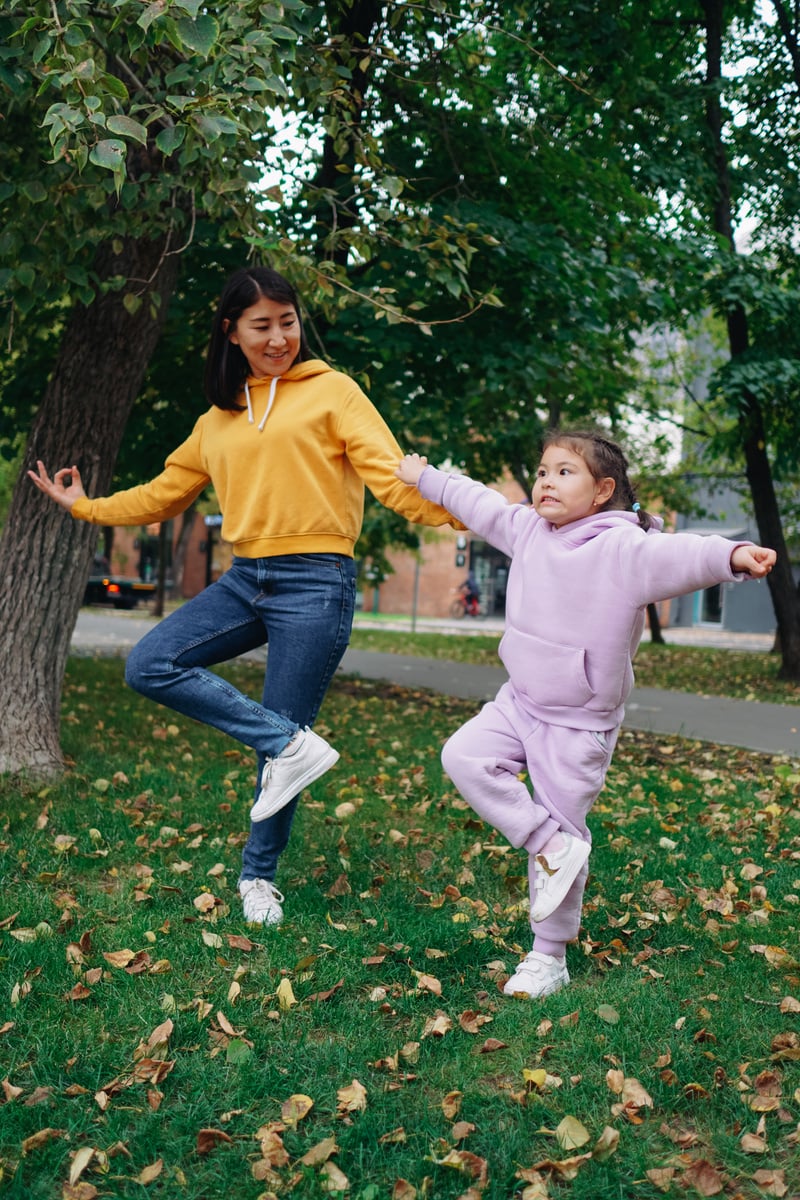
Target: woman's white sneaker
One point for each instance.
(261, 901)
(538, 975)
(305, 758)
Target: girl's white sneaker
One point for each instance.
(538, 975)
(555, 874)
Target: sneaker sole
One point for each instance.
(520, 991)
(261, 812)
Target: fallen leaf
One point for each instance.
(209, 1139)
(491, 1045)
(703, 1177)
(571, 1134)
(772, 1182)
(451, 1104)
(295, 1108)
(40, 1138)
(286, 996)
(352, 1098)
(393, 1138)
(151, 1172)
(319, 1153)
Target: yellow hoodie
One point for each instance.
(289, 470)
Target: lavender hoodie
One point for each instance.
(576, 599)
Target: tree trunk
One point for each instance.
(179, 550)
(44, 552)
(783, 591)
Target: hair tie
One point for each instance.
(636, 506)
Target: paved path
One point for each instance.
(770, 728)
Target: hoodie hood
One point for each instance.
(302, 370)
(576, 533)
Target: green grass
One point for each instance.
(743, 675)
(402, 911)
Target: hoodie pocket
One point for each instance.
(551, 674)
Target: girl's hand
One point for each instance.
(756, 561)
(411, 467)
(58, 489)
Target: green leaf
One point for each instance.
(170, 139)
(131, 303)
(108, 153)
(606, 1012)
(212, 126)
(127, 127)
(200, 35)
(34, 190)
(238, 1052)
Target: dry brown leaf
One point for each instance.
(661, 1177)
(80, 1162)
(451, 1104)
(237, 941)
(335, 1178)
(571, 1134)
(428, 983)
(491, 1045)
(471, 1164)
(606, 1144)
(403, 1190)
(704, 1178)
(295, 1108)
(771, 1182)
(273, 1151)
(461, 1130)
(752, 1143)
(471, 1022)
(319, 1153)
(10, 1091)
(634, 1093)
(119, 958)
(40, 1138)
(393, 1137)
(352, 1098)
(149, 1173)
(79, 1191)
(209, 1139)
(437, 1025)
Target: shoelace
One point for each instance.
(267, 890)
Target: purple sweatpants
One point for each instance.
(566, 769)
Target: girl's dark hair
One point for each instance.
(226, 367)
(605, 460)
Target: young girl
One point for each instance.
(586, 560)
(288, 444)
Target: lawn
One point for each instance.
(154, 1045)
(743, 675)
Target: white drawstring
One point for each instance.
(273, 385)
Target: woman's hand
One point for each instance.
(411, 467)
(65, 487)
(756, 561)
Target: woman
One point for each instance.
(288, 445)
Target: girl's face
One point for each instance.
(565, 489)
(268, 335)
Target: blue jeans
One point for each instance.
(302, 606)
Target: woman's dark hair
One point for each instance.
(226, 367)
(605, 460)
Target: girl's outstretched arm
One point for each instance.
(756, 561)
(57, 488)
